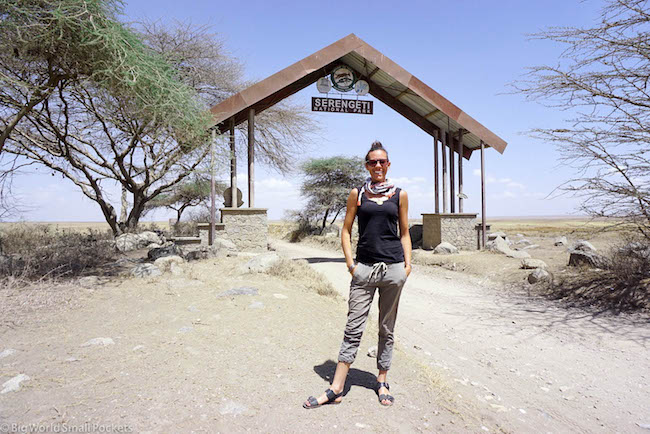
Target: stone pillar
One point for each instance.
(247, 228)
(457, 229)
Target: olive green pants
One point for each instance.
(389, 280)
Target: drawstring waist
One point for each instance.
(378, 271)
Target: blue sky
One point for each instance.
(466, 50)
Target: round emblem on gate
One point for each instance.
(343, 78)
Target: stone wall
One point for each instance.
(204, 232)
(247, 228)
(457, 229)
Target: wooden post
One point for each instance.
(251, 158)
(445, 209)
(233, 165)
(213, 191)
(483, 223)
(452, 180)
(460, 172)
(435, 172)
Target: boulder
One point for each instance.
(518, 254)
(589, 259)
(445, 248)
(498, 245)
(149, 237)
(165, 263)
(584, 246)
(146, 270)
(532, 246)
(636, 249)
(161, 252)
(416, 235)
(539, 275)
(531, 264)
(261, 263)
(201, 253)
(128, 242)
(493, 235)
(523, 242)
(560, 241)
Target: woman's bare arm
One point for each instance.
(346, 232)
(404, 235)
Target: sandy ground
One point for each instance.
(533, 365)
(470, 357)
(181, 359)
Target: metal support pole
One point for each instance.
(213, 190)
(435, 172)
(483, 224)
(445, 209)
(452, 180)
(251, 158)
(233, 166)
(460, 172)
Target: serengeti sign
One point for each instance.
(338, 105)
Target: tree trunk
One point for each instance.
(324, 221)
(125, 205)
(336, 216)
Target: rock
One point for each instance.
(161, 252)
(244, 290)
(155, 246)
(590, 259)
(560, 241)
(518, 254)
(176, 269)
(445, 248)
(531, 264)
(416, 235)
(280, 296)
(493, 235)
(498, 245)
(8, 352)
(532, 246)
(584, 246)
(90, 281)
(202, 253)
(127, 242)
(256, 305)
(149, 237)
(13, 384)
(538, 275)
(523, 242)
(137, 348)
(261, 263)
(146, 270)
(165, 263)
(104, 342)
(372, 352)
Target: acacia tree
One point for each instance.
(327, 183)
(602, 79)
(145, 139)
(189, 193)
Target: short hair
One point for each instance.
(376, 146)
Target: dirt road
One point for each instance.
(531, 365)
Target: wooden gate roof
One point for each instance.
(389, 83)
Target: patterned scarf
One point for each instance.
(386, 189)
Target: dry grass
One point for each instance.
(300, 271)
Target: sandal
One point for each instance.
(313, 402)
(384, 397)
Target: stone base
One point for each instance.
(247, 228)
(457, 229)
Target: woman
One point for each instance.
(383, 262)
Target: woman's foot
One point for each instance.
(383, 392)
(330, 396)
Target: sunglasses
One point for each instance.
(373, 163)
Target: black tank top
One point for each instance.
(378, 232)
